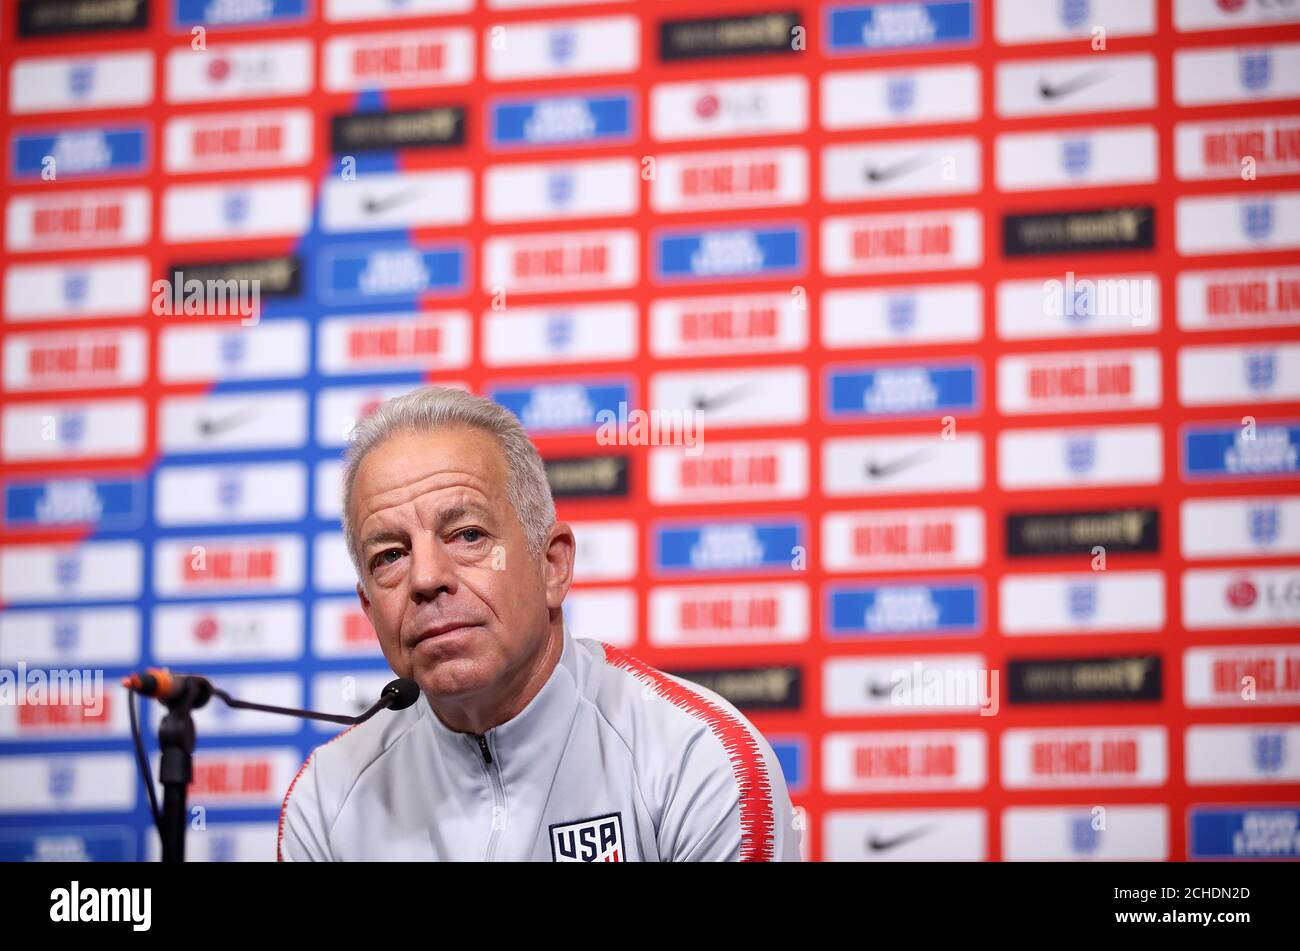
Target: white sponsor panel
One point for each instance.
(902, 465)
(345, 11)
(241, 71)
(1089, 305)
(98, 429)
(194, 353)
(1238, 224)
(338, 409)
(905, 835)
(1242, 676)
(223, 631)
(568, 261)
(744, 178)
(724, 108)
(1190, 15)
(514, 51)
(71, 706)
(602, 614)
(913, 241)
(75, 83)
(606, 551)
(228, 210)
(339, 628)
(332, 567)
(412, 59)
(1240, 297)
(1033, 21)
(902, 316)
(1103, 833)
(1224, 74)
(329, 489)
(731, 324)
(231, 141)
(1084, 456)
(239, 778)
(888, 170)
(907, 685)
(762, 470)
(553, 191)
(1255, 753)
(1241, 597)
(765, 396)
(578, 333)
(97, 637)
(222, 422)
(59, 783)
(369, 343)
(231, 494)
(226, 842)
(1085, 757)
(73, 290)
(228, 564)
(1232, 149)
(910, 761)
(75, 360)
(109, 218)
(1123, 155)
(903, 539)
(1258, 527)
(388, 201)
(869, 99)
(1079, 381)
(1063, 85)
(87, 571)
(1082, 603)
(722, 615)
(1239, 373)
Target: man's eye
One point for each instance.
(388, 557)
(465, 533)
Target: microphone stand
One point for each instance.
(177, 738)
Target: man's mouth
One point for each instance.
(439, 630)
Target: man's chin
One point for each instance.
(454, 677)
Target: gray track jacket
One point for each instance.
(611, 761)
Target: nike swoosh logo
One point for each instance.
(375, 206)
(706, 403)
(215, 427)
(1048, 91)
(880, 691)
(876, 843)
(878, 470)
(880, 175)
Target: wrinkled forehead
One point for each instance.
(406, 465)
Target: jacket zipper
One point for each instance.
(498, 795)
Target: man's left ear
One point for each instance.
(558, 566)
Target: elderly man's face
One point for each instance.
(459, 603)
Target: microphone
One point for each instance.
(161, 684)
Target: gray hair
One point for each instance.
(433, 408)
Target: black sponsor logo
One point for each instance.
(56, 17)
(278, 276)
(728, 36)
(1078, 532)
(881, 843)
(580, 477)
(752, 688)
(1130, 228)
(434, 127)
(1118, 679)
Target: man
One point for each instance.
(527, 744)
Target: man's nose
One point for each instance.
(432, 568)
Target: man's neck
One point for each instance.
(478, 714)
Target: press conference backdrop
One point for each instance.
(988, 310)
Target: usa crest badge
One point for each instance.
(588, 840)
